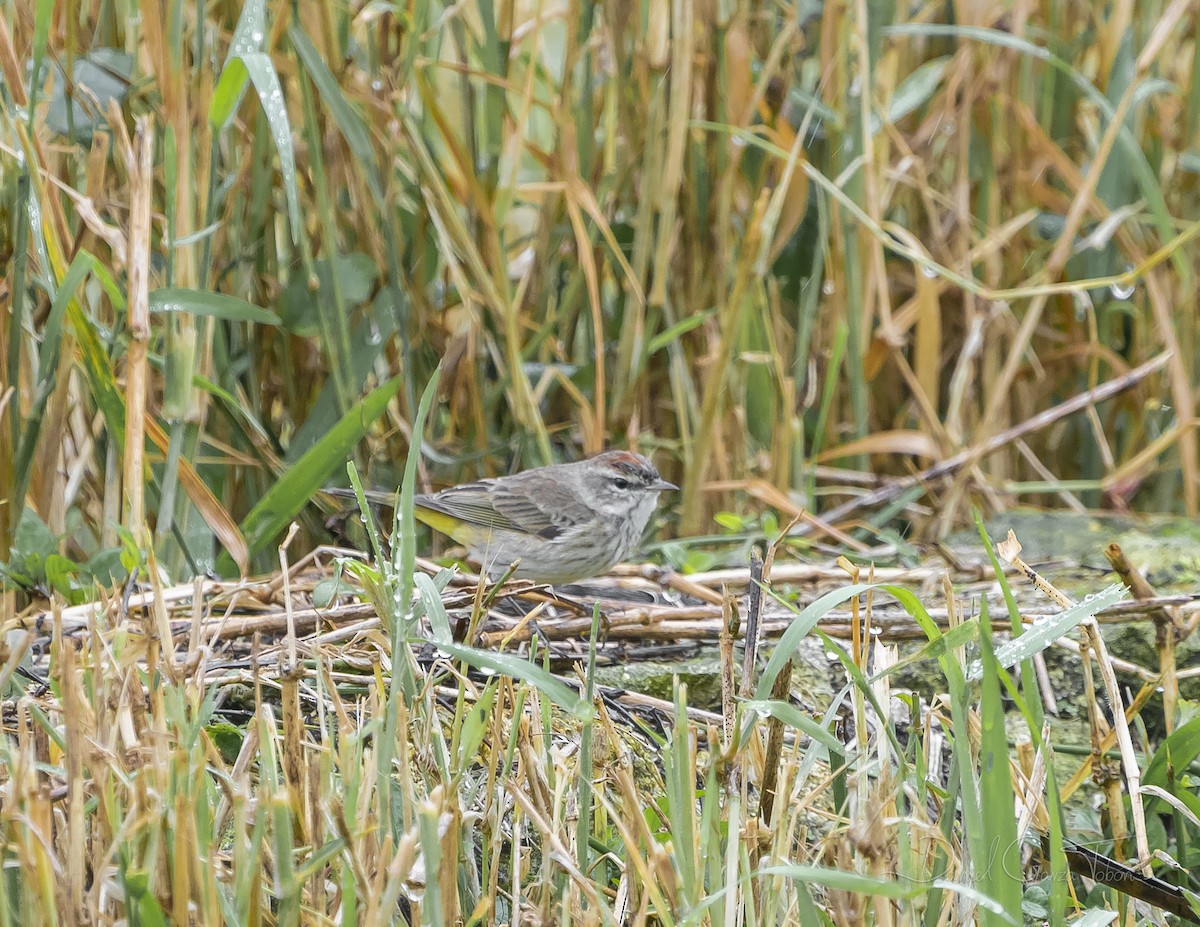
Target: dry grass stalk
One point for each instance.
(1167, 630)
(139, 164)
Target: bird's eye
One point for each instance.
(621, 483)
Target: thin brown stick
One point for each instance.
(1166, 629)
(754, 604)
(728, 634)
(774, 751)
(995, 442)
(805, 573)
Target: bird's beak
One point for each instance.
(662, 486)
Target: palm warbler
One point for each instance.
(563, 523)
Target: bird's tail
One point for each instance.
(374, 496)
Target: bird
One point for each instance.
(558, 524)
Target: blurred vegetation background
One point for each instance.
(788, 249)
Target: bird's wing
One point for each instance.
(547, 512)
(471, 503)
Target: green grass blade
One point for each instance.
(291, 492)
(404, 528)
(216, 305)
(1000, 871)
(247, 62)
(545, 682)
(1041, 635)
(799, 628)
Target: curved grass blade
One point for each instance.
(793, 717)
(349, 122)
(1040, 635)
(247, 61)
(804, 623)
(1180, 748)
(549, 685)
